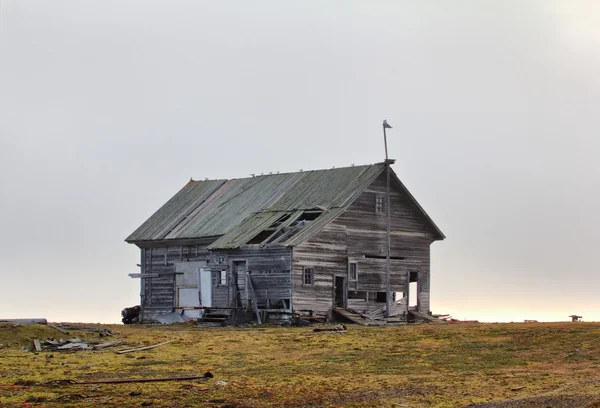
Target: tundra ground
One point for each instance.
(482, 365)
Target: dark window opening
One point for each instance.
(397, 258)
(414, 277)
(260, 237)
(380, 297)
(310, 215)
(357, 295)
(309, 276)
(282, 219)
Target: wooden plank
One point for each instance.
(143, 275)
(60, 329)
(353, 317)
(426, 317)
(254, 304)
(37, 345)
(144, 348)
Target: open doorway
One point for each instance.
(413, 290)
(340, 291)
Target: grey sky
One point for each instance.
(108, 108)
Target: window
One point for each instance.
(223, 278)
(353, 271)
(309, 276)
(379, 204)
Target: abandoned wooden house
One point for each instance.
(285, 244)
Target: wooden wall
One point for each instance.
(359, 234)
(272, 268)
(158, 293)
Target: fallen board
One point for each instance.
(356, 318)
(426, 317)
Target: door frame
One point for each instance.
(235, 291)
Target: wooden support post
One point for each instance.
(254, 304)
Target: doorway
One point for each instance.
(206, 287)
(340, 291)
(413, 290)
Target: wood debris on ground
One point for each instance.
(144, 347)
(73, 344)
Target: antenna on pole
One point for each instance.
(388, 210)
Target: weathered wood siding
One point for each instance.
(158, 294)
(359, 235)
(270, 269)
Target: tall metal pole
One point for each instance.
(388, 210)
(385, 139)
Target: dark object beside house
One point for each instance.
(131, 315)
(285, 244)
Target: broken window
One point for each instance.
(353, 271)
(223, 278)
(309, 276)
(353, 294)
(380, 204)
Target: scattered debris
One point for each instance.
(208, 374)
(103, 346)
(134, 393)
(170, 318)
(222, 383)
(338, 328)
(144, 348)
(454, 321)
(73, 344)
(146, 403)
(60, 329)
(356, 317)
(426, 317)
(518, 388)
(575, 318)
(100, 330)
(37, 345)
(24, 321)
(396, 308)
(131, 315)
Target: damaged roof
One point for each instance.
(236, 211)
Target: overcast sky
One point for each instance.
(107, 108)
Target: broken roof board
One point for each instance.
(238, 209)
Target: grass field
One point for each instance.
(540, 364)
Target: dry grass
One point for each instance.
(418, 366)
